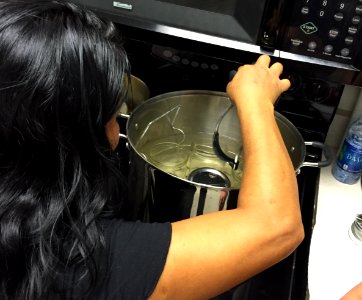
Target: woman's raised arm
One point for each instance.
(210, 254)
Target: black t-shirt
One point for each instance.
(130, 265)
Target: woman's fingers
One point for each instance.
(258, 81)
(277, 69)
(284, 85)
(263, 60)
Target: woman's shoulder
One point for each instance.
(119, 231)
(135, 255)
(130, 263)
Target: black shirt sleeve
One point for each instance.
(136, 254)
(129, 266)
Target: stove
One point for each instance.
(167, 63)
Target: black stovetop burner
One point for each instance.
(168, 64)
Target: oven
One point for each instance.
(167, 63)
(178, 45)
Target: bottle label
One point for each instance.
(350, 158)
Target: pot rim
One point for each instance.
(163, 97)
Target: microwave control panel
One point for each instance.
(326, 29)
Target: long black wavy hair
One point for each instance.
(61, 74)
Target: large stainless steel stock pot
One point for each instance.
(175, 172)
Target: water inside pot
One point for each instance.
(193, 152)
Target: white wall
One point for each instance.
(350, 108)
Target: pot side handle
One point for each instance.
(121, 117)
(124, 116)
(328, 154)
(123, 136)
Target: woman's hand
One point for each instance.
(354, 294)
(257, 82)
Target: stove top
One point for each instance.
(287, 280)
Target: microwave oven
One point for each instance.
(324, 32)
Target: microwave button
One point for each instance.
(214, 67)
(345, 52)
(308, 28)
(305, 10)
(352, 30)
(312, 45)
(349, 40)
(328, 48)
(359, 9)
(167, 53)
(176, 58)
(195, 64)
(333, 33)
(356, 20)
(338, 17)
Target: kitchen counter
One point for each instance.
(335, 260)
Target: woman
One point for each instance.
(62, 233)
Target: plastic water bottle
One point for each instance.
(348, 166)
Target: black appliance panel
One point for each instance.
(239, 20)
(327, 29)
(246, 15)
(169, 64)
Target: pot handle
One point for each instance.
(122, 135)
(328, 154)
(233, 162)
(124, 116)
